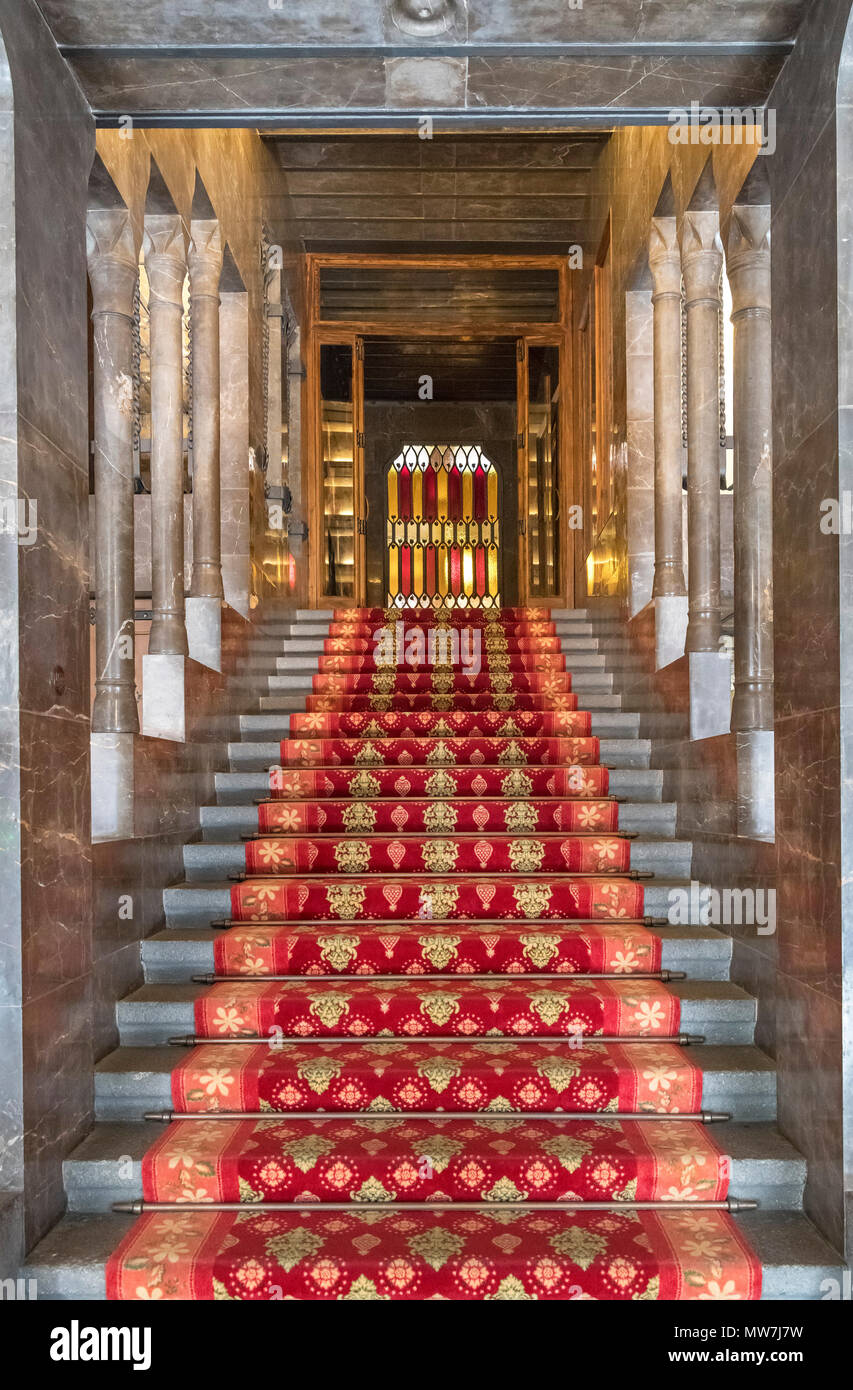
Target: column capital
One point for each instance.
(112, 257)
(204, 258)
(701, 254)
(165, 257)
(665, 256)
(748, 257)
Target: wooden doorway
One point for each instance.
(355, 299)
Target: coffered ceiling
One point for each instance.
(488, 193)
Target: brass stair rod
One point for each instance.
(378, 800)
(279, 1041)
(634, 875)
(665, 976)
(495, 832)
(226, 922)
(703, 1117)
(731, 1204)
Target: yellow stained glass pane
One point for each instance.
(467, 494)
(417, 493)
(418, 570)
(393, 513)
(467, 570)
(493, 493)
(493, 570)
(442, 492)
(443, 571)
(393, 570)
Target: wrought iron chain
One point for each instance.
(721, 353)
(265, 340)
(136, 375)
(188, 379)
(683, 346)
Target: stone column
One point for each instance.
(112, 251)
(748, 259)
(748, 264)
(274, 395)
(669, 591)
(206, 592)
(297, 529)
(113, 254)
(710, 670)
(163, 683)
(234, 464)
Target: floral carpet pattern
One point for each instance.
(439, 1029)
(479, 1256)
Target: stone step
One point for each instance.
(615, 752)
(173, 955)
(283, 703)
(107, 1166)
(605, 724)
(718, 1010)
(595, 700)
(261, 685)
(199, 904)
(275, 630)
(230, 822)
(319, 627)
(738, 1079)
(303, 656)
(643, 784)
(69, 1264)
(204, 860)
(300, 640)
(585, 682)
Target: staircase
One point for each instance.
(453, 1157)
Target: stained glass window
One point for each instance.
(443, 528)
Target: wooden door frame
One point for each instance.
(326, 331)
(602, 288)
(318, 339)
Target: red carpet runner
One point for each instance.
(406, 996)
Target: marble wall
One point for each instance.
(810, 618)
(798, 973)
(45, 864)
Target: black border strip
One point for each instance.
(648, 48)
(496, 120)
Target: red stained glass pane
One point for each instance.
(430, 570)
(480, 504)
(429, 495)
(405, 493)
(455, 571)
(455, 494)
